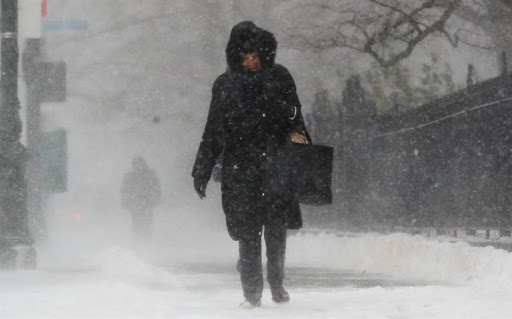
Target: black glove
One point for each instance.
(200, 186)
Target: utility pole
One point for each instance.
(32, 75)
(15, 239)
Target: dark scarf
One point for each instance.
(250, 86)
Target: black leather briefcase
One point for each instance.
(304, 171)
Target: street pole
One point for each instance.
(35, 189)
(15, 240)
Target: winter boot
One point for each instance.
(280, 295)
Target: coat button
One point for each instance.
(264, 115)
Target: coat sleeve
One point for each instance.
(213, 136)
(292, 99)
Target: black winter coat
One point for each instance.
(251, 116)
(140, 190)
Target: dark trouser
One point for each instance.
(142, 223)
(251, 273)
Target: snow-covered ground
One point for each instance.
(369, 276)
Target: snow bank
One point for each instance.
(125, 266)
(404, 257)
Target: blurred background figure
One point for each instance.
(140, 194)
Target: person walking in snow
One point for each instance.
(140, 194)
(253, 113)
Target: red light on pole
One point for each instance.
(44, 8)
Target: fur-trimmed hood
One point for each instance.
(245, 38)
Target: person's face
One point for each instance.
(251, 62)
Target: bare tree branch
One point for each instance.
(387, 32)
(438, 26)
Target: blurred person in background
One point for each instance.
(140, 195)
(253, 113)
